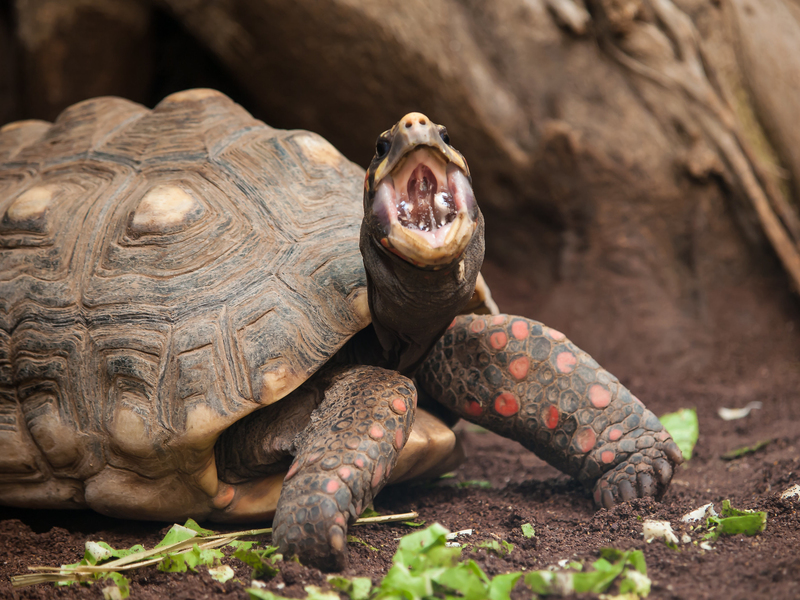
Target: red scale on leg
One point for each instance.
(554, 334)
(345, 473)
(331, 486)
(474, 409)
(551, 417)
(519, 367)
(615, 434)
(377, 475)
(398, 440)
(607, 457)
(586, 439)
(506, 404)
(520, 330)
(599, 396)
(376, 432)
(399, 406)
(498, 340)
(498, 319)
(565, 362)
(292, 470)
(477, 326)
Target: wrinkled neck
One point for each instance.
(412, 307)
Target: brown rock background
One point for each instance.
(636, 160)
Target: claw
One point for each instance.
(607, 499)
(626, 491)
(673, 452)
(663, 470)
(647, 485)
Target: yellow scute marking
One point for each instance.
(319, 150)
(31, 204)
(164, 206)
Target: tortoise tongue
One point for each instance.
(422, 207)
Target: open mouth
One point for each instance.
(426, 208)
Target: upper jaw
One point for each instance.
(423, 202)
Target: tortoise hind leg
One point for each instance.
(343, 458)
(527, 382)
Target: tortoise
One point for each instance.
(200, 318)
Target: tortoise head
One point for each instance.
(421, 239)
(418, 200)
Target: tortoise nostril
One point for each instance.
(408, 124)
(422, 121)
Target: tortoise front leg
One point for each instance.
(525, 381)
(343, 459)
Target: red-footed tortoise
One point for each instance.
(188, 328)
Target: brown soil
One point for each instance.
(523, 489)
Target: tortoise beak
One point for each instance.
(410, 132)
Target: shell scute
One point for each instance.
(170, 271)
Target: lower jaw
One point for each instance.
(416, 248)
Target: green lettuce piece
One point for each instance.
(121, 588)
(351, 539)
(177, 533)
(612, 564)
(257, 594)
(732, 521)
(185, 561)
(528, 531)
(261, 560)
(357, 588)
(222, 573)
(501, 548)
(501, 585)
(192, 524)
(682, 425)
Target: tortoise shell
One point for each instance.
(163, 273)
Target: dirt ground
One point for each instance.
(755, 365)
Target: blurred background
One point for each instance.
(636, 160)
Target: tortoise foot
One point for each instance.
(344, 457)
(645, 468)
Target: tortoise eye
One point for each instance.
(382, 147)
(445, 136)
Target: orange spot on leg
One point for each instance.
(498, 340)
(399, 406)
(477, 326)
(498, 319)
(519, 367)
(376, 432)
(331, 486)
(520, 330)
(599, 396)
(586, 439)
(551, 417)
(565, 362)
(292, 470)
(345, 473)
(359, 462)
(339, 520)
(607, 457)
(452, 324)
(506, 404)
(398, 439)
(474, 409)
(377, 476)
(555, 335)
(615, 434)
